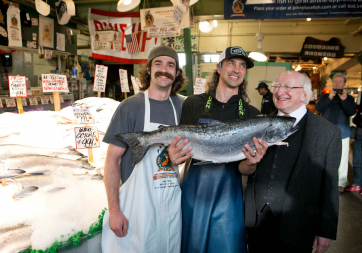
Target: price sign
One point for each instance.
(1, 103)
(33, 100)
(10, 102)
(86, 137)
(100, 78)
(83, 116)
(54, 83)
(17, 86)
(135, 84)
(123, 80)
(51, 99)
(44, 100)
(24, 102)
(199, 86)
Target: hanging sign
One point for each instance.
(17, 86)
(10, 102)
(163, 32)
(44, 100)
(178, 15)
(33, 100)
(161, 17)
(65, 9)
(100, 78)
(135, 84)
(14, 26)
(319, 48)
(24, 102)
(124, 23)
(54, 83)
(123, 80)
(83, 116)
(107, 36)
(199, 86)
(86, 137)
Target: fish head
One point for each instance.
(279, 129)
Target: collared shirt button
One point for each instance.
(272, 176)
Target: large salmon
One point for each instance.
(215, 142)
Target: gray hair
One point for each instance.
(307, 87)
(341, 75)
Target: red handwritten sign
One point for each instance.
(54, 83)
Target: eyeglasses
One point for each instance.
(286, 88)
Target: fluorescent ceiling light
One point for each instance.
(127, 5)
(309, 19)
(206, 26)
(214, 23)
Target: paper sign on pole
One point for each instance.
(135, 84)
(83, 116)
(123, 80)
(54, 83)
(44, 100)
(61, 99)
(1, 104)
(163, 32)
(86, 137)
(100, 78)
(10, 102)
(17, 86)
(33, 100)
(24, 102)
(199, 86)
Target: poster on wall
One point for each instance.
(61, 41)
(46, 32)
(125, 23)
(14, 26)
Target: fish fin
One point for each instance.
(25, 192)
(132, 140)
(203, 162)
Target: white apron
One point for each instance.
(151, 201)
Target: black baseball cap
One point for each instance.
(231, 52)
(262, 85)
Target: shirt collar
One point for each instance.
(298, 114)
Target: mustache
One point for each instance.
(166, 74)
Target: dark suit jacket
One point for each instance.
(312, 197)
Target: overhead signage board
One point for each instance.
(286, 9)
(319, 48)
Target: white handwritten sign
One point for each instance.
(51, 99)
(48, 54)
(135, 84)
(10, 102)
(1, 104)
(61, 99)
(44, 100)
(54, 83)
(178, 14)
(101, 45)
(100, 78)
(199, 86)
(163, 32)
(117, 46)
(33, 100)
(83, 116)
(86, 137)
(123, 80)
(24, 102)
(17, 86)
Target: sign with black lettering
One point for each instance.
(33, 100)
(44, 100)
(86, 137)
(17, 86)
(24, 102)
(83, 116)
(100, 78)
(320, 48)
(199, 86)
(10, 102)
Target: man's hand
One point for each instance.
(343, 96)
(322, 244)
(174, 152)
(248, 166)
(118, 224)
(332, 94)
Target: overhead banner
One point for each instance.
(284, 9)
(125, 23)
(319, 48)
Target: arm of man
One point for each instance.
(248, 166)
(348, 104)
(329, 196)
(112, 177)
(324, 101)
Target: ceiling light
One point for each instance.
(314, 67)
(127, 5)
(325, 58)
(309, 19)
(214, 23)
(206, 26)
(258, 55)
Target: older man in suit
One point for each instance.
(291, 200)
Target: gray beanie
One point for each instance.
(163, 51)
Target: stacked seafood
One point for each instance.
(48, 188)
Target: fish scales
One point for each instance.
(216, 142)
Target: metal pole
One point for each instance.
(188, 67)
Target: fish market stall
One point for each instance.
(53, 195)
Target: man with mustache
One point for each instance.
(212, 200)
(149, 201)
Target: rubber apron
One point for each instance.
(151, 201)
(212, 204)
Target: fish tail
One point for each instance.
(132, 140)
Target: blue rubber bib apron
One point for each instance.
(212, 204)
